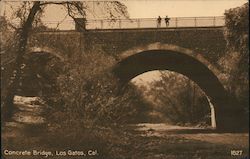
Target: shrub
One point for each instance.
(236, 60)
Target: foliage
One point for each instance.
(109, 142)
(236, 60)
(89, 108)
(80, 93)
(236, 31)
(106, 9)
(181, 100)
(30, 13)
(88, 92)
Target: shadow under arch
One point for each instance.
(194, 66)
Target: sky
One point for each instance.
(172, 8)
(179, 8)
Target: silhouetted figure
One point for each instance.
(167, 21)
(159, 22)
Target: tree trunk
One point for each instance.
(7, 105)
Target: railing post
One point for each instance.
(138, 23)
(120, 23)
(176, 22)
(195, 22)
(101, 24)
(214, 22)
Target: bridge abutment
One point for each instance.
(231, 117)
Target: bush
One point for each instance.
(89, 92)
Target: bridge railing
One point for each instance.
(174, 22)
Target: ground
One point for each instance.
(146, 141)
(161, 141)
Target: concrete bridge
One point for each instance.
(192, 51)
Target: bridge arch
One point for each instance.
(45, 50)
(159, 56)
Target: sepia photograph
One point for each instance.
(125, 79)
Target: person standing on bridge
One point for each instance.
(159, 22)
(167, 21)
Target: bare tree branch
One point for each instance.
(57, 3)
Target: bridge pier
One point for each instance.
(231, 118)
(212, 111)
(80, 24)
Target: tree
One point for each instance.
(179, 99)
(7, 104)
(236, 59)
(29, 13)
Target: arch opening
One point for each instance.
(39, 73)
(173, 61)
(195, 70)
(174, 99)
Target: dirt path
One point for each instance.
(162, 130)
(175, 142)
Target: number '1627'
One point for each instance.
(236, 152)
